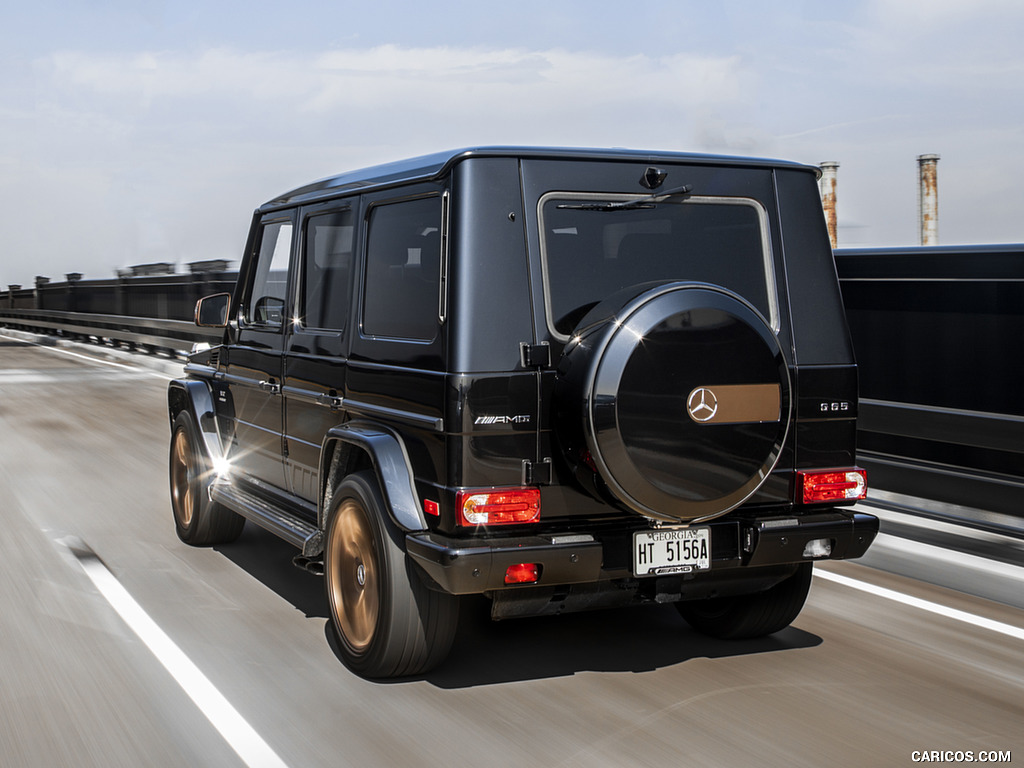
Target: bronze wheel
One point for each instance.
(353, 585)
(198, 520)
(387, 623)
(182, 478)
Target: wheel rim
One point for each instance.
(182, 485)
(353, 576)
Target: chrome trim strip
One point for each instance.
(434, 423)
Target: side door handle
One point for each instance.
(334, 402)
(273, 387)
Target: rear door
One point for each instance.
(316, 356)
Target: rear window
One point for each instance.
(591, 251)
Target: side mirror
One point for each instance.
(212, 311)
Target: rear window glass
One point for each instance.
(590, 251)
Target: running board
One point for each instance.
(292, 528)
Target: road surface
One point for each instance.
(121, 646)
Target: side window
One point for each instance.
(266, 298)
(403, 268)
(326, 271)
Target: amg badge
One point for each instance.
(485, 420)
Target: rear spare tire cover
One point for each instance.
(681, 395)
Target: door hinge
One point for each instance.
(535, 355)
(537, 472)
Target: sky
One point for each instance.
(140, 131)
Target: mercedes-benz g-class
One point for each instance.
(562, 379)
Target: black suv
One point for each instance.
(562, 379)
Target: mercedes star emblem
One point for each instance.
(702, 405)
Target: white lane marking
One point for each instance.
(89, 358)
(924, 605)
(239, 735)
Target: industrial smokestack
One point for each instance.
(828, 198)
(928, 198)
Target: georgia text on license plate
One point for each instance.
(679, 550)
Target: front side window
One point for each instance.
(326, 271)
(265, 302)
(593, 247)
(403, 268)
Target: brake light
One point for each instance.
(834, 485)
(510, 506)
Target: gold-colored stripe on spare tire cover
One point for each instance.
(734, 403)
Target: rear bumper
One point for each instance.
(463, 567)
(473, 566)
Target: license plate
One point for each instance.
(671, 550)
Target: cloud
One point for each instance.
(186, 141)
(388, 75)
(171, 148)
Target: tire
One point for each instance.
(198, 520)
(747, 616)
(674, 400)
(386, 621)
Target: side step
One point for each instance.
(293, 529)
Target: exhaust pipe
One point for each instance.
(314, 566)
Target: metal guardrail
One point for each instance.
(949, 482)
(149, 305)
(147, 332)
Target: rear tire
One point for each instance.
(748, 616)
(386, 621)
(198, 520)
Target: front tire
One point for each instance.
(198, 520)
(747, 616)
(386, 621)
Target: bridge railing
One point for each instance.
(150, 306)
(939, 338)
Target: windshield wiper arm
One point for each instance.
(648, 201)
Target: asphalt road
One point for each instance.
(861, 679)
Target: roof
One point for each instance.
(436, 165)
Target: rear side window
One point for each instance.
(403, 269)
(591, 250)
(327, 270)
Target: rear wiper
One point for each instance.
(648, 201)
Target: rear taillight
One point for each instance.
(832, 485)
(509, 506)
